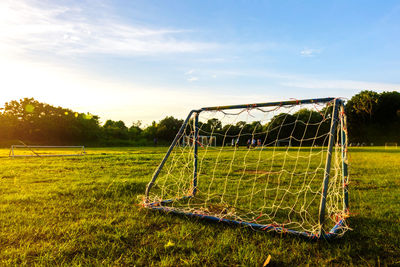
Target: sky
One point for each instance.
(145, 60)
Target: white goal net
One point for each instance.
(276, 166)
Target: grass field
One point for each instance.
(85, 211)
(270, 185)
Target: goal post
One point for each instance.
(389, 145)
(202, 140)
(293, 180)
(45, 151)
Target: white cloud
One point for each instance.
(310, 83)
(307, 82)
(30, 26)
(189, 72)
(309, 52)
(106, 97)
(192, 79)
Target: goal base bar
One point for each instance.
(41, 154)
(47, 155)
(333, 233)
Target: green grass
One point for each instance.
(85, 211)
(270, 185)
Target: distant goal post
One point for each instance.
(390, 145)
(45, 151)
(202, 140)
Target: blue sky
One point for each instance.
(144, 60)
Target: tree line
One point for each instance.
(33, 122)
(372, 118)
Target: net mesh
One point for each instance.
(267, 168)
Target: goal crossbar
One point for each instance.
(269, 104)
(337, 128)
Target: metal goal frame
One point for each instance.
(337, 121)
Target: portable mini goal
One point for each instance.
(301, 188)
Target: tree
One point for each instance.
(363, 104)
(167, 128)
(387, 110)
(135, 131)
(387, 117)
(150, 131)
(360, 111)
(115, 130)
(373, 117)
(40, 123)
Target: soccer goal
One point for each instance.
(202, 140)
(46, 151)
(300, 188)
(390, 145)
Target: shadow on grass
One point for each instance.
(371, 238)
(230, 225)
(366, 231)
(374, 241)
(114, 190)
(123, 189)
